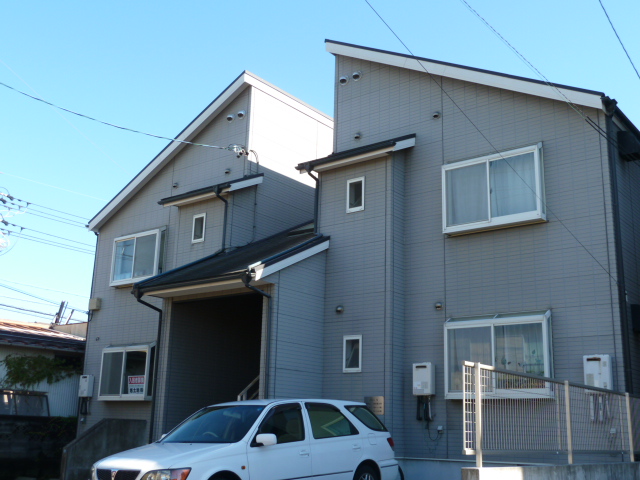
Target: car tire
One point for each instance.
(366, 472)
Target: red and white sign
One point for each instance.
(136, 384)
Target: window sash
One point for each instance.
(355, 195)
(500, 189)
(136, 257)
(352, 353)
(538, 363)
(197, 230)
(124, 378)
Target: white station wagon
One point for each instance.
(264, 440)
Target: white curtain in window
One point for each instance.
(466, 344)
(467, 194)
(513, 185)
(520, 348)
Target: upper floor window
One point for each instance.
(136, 257)
(355, 195)
(496, 190)
(127, 373)
(516, 342)
(197, 231)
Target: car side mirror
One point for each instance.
(266, 439)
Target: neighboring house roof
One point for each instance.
(359, 154)
(38, 336)
(263, 258)
(243, 81)
(205, 193)
(579, 96)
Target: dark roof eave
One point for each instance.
(140, 291)
(309, 166)
(209, 189)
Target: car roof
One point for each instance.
(269, 401)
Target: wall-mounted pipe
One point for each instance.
(246, 279)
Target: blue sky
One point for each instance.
(153, 66)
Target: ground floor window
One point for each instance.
(517, 342)
(127, 372)
(352, 353)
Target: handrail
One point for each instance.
(243, 395)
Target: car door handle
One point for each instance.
(357, 446)
(304, 453)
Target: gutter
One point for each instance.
(138, 296)
(246, 279)
(224, 221)
(610, 110)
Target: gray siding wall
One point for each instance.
(296, 353)
(279, 202)
(525, 268)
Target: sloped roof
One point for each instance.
(365, 152)
(578, 96)
(236, 263)
(243, 81)
(37, 335)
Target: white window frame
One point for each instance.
(537, 215)
(344, 354)
(128, 396)
(193, 227)
(156, 261)
(543, 318)
(361, 207)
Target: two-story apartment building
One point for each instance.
(196, 200)
(463, 215)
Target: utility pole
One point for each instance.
(63, 307)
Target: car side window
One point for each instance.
(285, 422)
(328, 422)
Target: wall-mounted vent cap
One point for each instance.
(356, 76)
(343, 80)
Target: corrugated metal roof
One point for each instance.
(38, 335)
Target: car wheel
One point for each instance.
(365, 472)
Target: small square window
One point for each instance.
(126, 373)
(355, 195)
(493, 191)
(352, 354)
(197, 232)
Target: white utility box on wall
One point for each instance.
(86, 386)
(598, 371)
(424, 379)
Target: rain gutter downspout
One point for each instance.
(138, 296)
(246, 279)
(610, 109)
(224, 221)
(316, 200)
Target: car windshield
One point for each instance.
(227, 424)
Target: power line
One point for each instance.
(489, 142)
(40, 298)
(53, 186)
(59, 211)
(26, 310)
(49, 234)
(234, 148)
(48, 242)
(619, 39)
(42, 288)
